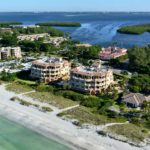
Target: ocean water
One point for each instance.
(97, 28)
(16, 137)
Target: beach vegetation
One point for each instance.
(19, 87)
(87, 116)
(46, 109)
(132, 132)
(25, 103)
(52, 99)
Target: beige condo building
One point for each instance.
(6, 52)
(91, 80)
(50, 70)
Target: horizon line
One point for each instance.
(74, 11)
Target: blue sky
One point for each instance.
(75, 5)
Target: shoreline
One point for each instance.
(42, 132)
(30, 118)
(53, 127)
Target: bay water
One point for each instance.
(97, 27)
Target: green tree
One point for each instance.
(139, 59)
(9, 40)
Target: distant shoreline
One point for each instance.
(135, 29)
(59, 24)
(75, 12)
(41, 131)
(51, 127)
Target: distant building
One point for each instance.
(134, 99)
(4, 30)
(6, 52)
(83, 45)
(52, 69)
(92, 79)
(55, 40)
(112, 53)
(32, 37)
(25, 26)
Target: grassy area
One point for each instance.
(26, 103)
(130, 131)
(136, 29)
(23, 102)
(26, 81)
(18, 88)
(85, 115)
(23, 86)
(52, 99)
(122, 75)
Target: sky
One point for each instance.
(75, 5)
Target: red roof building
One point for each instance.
(112, 53)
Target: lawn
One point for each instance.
(26, 81)
(130, 131)
(85, 116)
(18, 88)
(57, 101)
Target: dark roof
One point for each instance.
(134, 98)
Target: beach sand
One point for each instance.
(51, 126)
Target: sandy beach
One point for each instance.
(51, 126)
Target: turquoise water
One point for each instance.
(16, 137)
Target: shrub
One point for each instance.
(46, 109)
(91, 101)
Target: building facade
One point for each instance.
(50, 70)
(32, 37)
(6, 52)
(56, 41)
(91, 80)
(112, 53)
